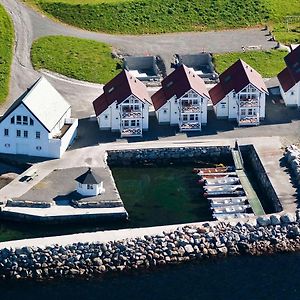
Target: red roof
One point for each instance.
(236, 78)
(178, 83)
(119, 89)
(289, 76)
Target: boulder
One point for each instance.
(275, 220)
(288, 218)
(188, 248)
(263, 221)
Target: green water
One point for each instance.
(161, 195)
(151, 195)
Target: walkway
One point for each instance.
(250, 192)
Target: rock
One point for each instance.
(188, 248)
(97, 261)
(288, 218)
(263, 221)
(275, 220)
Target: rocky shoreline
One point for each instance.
(269, 234)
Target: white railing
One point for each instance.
(131, 131)
(190, 125)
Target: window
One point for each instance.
(292, 93)
(250, 112)
(5, 132)
(196, 117)
(25, 120)
(243, 112)
(184, 118)
(165, 111)
(12, 120)
(106, 117)
(132, 122)
(38, 148)
(31, 122)
(37, 135)
(7, 145)
(126, 123)
(25, 134)
(192, 117)
(90, 187)
(18, 133)
(195, 101)
(233, 94)
(137, 122)
(19, 120)
(79, 184)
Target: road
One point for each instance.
(30, 25)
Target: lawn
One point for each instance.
(267, 63)
(158, 16)
(77, 58)
(6, 51)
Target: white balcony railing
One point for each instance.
(190, 125)
(132, 114)
(248, 102)
(131, 131)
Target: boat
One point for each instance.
(231, 209)
(217, 175)
(220, 188)
(213, 170)
(232, 216)
(221, 181)
(227, 201)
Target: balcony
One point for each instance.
(131, 132)
(70, 122)
(189, 126)
(248, 102)
(192, 108)
(249, 120)
(131, 114)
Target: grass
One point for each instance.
(157, 16)
(77, 58)
(6, 52)
(267, 63)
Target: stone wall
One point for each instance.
(269, 234)
(214, 154)
(251, 157)
(292, 155)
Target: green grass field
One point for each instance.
(6, 51)
(158, 16)
(267, 63)
(77, 58)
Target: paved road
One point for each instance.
(30, 25)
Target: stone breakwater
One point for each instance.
(292, 154)
(213, 154)
(269, 234)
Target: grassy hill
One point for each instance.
(77, 58)
(6, 50)
(157, 16)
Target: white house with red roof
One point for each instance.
(240, 95)
(123, 106)
(182, 100)
(289, 79)
(38, 123)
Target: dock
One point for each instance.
(249, 191)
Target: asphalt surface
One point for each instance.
(30, 25)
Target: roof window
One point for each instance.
(169, 84)
(227, 78)
(111, 89)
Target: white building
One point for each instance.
(289, 79)
(89, 184)
(240, 95)
(38, 123)
(182, 100)
(124, 106)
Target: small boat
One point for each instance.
(220, 188)
(232, 216)
(222, 181)
(217, 175)
(220, 202)
(213, 170)
(231, 209)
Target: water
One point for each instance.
(242, 278)
(152, 196)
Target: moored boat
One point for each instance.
(221, 181)
(227, 201)
(231, 209)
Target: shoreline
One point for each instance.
(194, 242)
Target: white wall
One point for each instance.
(292, 96)
(83, 190)
(45, 146)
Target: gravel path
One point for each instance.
(30, 25)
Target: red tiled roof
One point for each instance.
(286, 79)
(178, 83)
(119, 89)
(289, 76)
(236, 78)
